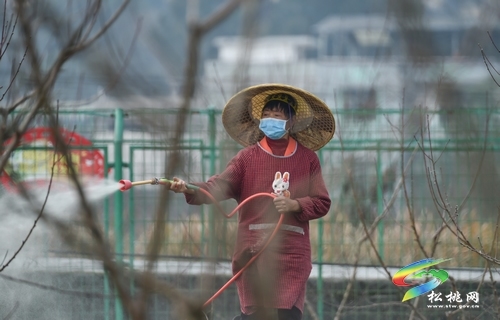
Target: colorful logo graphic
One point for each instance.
(409, 275)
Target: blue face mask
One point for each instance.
(273, 128)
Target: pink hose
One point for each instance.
(127, 184)
(236, 276)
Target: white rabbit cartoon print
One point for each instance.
(281, 184)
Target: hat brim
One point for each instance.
(313, 126)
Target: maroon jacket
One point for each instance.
(286, 264)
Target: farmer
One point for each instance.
(281, 126)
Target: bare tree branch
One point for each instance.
(13, 78)
(487, 63)
(54, 163)
(46, 82)
(367, 236)
(105, 28)
(116, 76)
(85, 294)
(11, 313)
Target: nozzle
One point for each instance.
(127, 184)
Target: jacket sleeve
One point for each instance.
(222, 186)
(317, 204)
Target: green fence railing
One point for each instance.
(362, 167)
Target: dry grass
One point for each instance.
(394, 239)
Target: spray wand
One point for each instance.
(127, 184)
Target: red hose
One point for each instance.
(273, 234)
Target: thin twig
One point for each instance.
(11, 313)
(85, 294)
(49, 187)
(105, 28)
(367, 237)
(196, 32)
(488, 65)
(116, 76)
(409, 207)
(311, 310)
(10, 27)
(493, 42)
(480, 164)
(14, 76)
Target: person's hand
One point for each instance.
(179, 186)
(284, 204)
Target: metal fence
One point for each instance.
(363, 167)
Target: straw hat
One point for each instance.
(314, 123)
